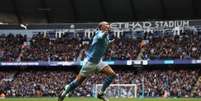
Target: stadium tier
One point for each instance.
(68, 45)
(178, 82)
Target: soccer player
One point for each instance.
(93, 63)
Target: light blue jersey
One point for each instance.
(98, 47)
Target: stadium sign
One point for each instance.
(115, 25)
(117, 62)
(150, 24)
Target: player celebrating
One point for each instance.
(93, 63)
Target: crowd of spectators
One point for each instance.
(37, 50)
(5, 81)
(184, 46)
(68, 49)
(178, 83)
(197, 88)
(39, 83)
(10, 46)
(49, 83)
(42, 48)
(123, 49)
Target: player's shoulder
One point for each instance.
(98, 32)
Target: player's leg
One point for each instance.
(70, 87)
(111, 75)
(86, 70)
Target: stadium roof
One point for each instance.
(56, 11)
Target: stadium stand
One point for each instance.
(184, 46)
(197, 88)
(43, 48)
(178, 82)
(10, 46)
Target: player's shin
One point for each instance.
(70, 87)
(108, 80)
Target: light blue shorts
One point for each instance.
(90, 68)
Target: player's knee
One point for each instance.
(113, 75)
(79, 80)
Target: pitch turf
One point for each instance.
(93, 99)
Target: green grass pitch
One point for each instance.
(94, 99)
